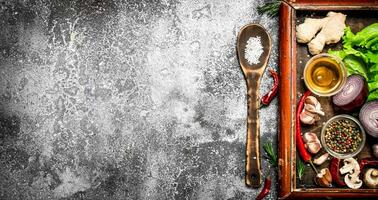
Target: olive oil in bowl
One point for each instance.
(325, 75)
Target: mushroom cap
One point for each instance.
(371, 178)
(352, 181)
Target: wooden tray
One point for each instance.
(293, 58)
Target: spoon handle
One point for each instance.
(253, 169)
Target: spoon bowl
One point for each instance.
(253, 30)
(252, 74)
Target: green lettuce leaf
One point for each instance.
(360, 55)
(355, 65)
(373, 95)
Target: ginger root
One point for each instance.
(331, 30)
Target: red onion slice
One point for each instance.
(353, 95)
(369, 118)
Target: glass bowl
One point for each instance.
(343, 155)
(323, 66)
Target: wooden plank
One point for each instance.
(296, 3)
(286, 114)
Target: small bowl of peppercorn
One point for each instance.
(343, 136)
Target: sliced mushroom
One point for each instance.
(324, 178)
(371, 178)
(350, 164)
(353, 181)
(321, 159)
(351, 167)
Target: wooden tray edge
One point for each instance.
(286, 100)
(287, 154)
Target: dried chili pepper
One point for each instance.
(334, 169)
(268, 97)
(298, 137)
(367, 162)
(266, 189)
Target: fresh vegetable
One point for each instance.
(308, 117)
(271, 154)
(330, 30)
(273, 160)
(343, 136)
(334, 169)
(324, 178)
(270, 8)
(266, 189)
(300, 168)
(268, 97)
(350, 166)
(312, 142)
(353, 95)
(298, 138)
(321, 159)
(360, 55)
(353, 181)
(369, 118)
(352, 169)
(367, 162)
(311, 110)
(371, 178)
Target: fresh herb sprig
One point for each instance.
(270, 154)
(270, 8)
(300, 168)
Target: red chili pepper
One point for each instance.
(367, 162)
(268, 97)
(266, 189)
(298, 137)
(334, 169)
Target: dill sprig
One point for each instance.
(270, 154)
(270, 8)
(300, 168)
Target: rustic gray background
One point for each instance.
(104, 99)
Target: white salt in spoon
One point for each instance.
(252, 74)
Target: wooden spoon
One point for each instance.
(252, 74)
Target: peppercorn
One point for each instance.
(343, 136)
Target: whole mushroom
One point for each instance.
(371, 178)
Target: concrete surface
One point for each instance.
(126, 99)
